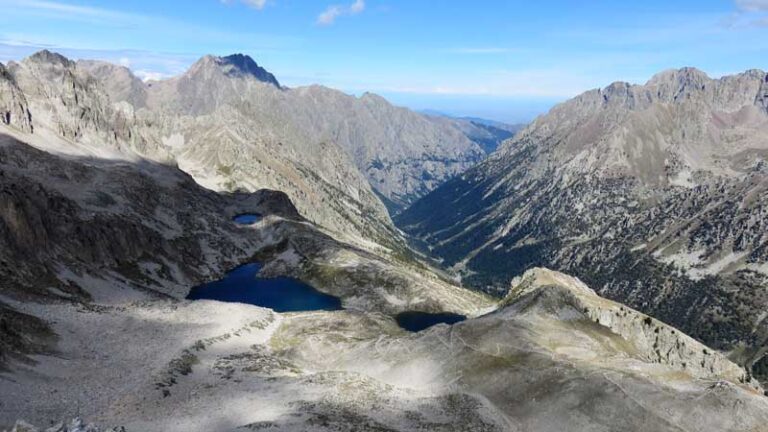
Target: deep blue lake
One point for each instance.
(281, 294)
(247, 219)
(418, 321)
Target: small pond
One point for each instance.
(418, 321)
(247, 218)
(281, 294)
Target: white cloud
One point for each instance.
(749, 13)
(71, 12)
(480, 50)
(124, 61)
(146, 75)
(69, 9)
(357, 7)
(329, 15)
(256, 4)
(752, 5)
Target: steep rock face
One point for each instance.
(71, 112)
(404, 155)
(239, 64)
(74, 105)
(13, 105)
(21, 335)
(656, 195)
(63, 222)
(119, 82)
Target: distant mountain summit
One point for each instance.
(49, 57)
(655, 195)
(235, 66)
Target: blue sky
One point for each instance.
(505, 60)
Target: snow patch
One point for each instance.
(174, 141)
(683, 259)
(683, 179)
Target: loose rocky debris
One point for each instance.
(76, 425)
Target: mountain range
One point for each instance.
(118, 196)
(231, 125)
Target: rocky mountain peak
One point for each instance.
(373, 98)
(118, 81)
(686, 75)
(235, 66)
(48, 57)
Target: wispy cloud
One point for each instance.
(140, 24)
(70, 12)
(357, 7)
(749, 13)
(145, 64)
(70, 9)
(480, 50)
(256, 4)
(146, 75)
(752, 5)
(331, 13)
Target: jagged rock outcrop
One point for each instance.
(13, 105)
(655, 341)
(239, 64)
(762, 95)
(76, 425)
(119, 83)
(22, 335)
(64, 219)
(654, 194)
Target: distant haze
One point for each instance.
(512, 110)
